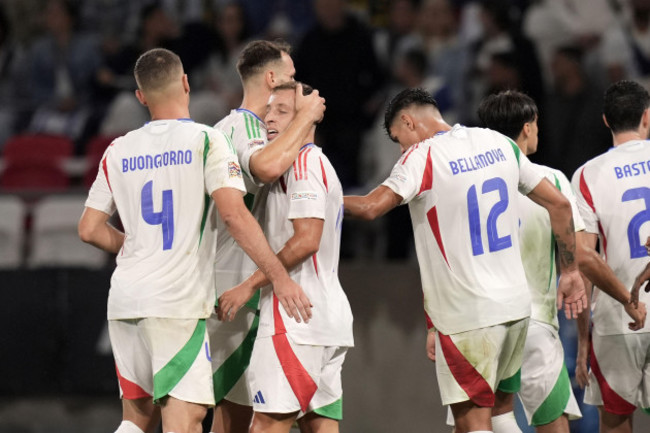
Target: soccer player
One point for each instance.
(160, 179)
(545, 391)
(296, 368)
(461, 185)
(262, 65)
(614, 201)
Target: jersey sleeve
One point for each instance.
(247, 136)
(306, 188)
(222, 169)
(406, 176)
(100, 196)
(584, 201)
(529, 176)
(567, 190)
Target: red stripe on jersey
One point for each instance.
(322, 169)
(302, 385)
(105, 168)
(283, 184)
(584, 189)
(130, 390)
(613, 402)
(432, 216)
(277, 318)
(313, 259)
(429, 321)
(427, 178)
(476, 387)
(295, 168)
(303, 170)
(408, 153)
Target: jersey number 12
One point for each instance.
(495, 243)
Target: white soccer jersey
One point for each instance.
(613, 194)
(247, 133)
(461, 187)
(159, 178)
(309, 189)
(537, 245)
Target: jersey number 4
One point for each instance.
(637, 249)
(495, 243)
(164, 218)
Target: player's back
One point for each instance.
(614, 196)
(465, 219)
(157, 177)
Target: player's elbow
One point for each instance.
(269, 174)
(86, 231)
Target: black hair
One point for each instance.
(625, 102)
(257, 54)
(507, 112)
(405, 99)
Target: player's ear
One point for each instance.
(141, 98)
(407, 121)
(186, 84)
(645, 118)
(605, 120)
(269, 77)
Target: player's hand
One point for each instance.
(312, 104)
(571, 293)
(647, 245)
(232, 301)
(638, 314)
(582, 371)
(293, 300)
(638, 281)
(431, 345)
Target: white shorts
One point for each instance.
(472, 365)
(287, 377)
(231, 345)
(160, 357)
(619, 378)
(545, 392)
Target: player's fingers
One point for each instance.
(287, 307)
(647, 287)
(307, 304)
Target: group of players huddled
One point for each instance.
(237, 304)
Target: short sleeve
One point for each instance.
(406, 175)
(567, 190)
(245, 151)
(306, 190)
(222, 169)
(529, 176)
(584, 201)
(100, 196)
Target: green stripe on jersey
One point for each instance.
(168, 377)
(248, 127)
(234, 366)
(332, 410)
(206, 198)
(515, 148)
(554, 405)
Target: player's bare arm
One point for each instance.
(372, 205)
(600, 274)
(584, 319)
(304, 243)
(643, 277)
(94, 229)
(243, 227)
(270, 162)
(570, 290)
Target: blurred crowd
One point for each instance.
(66, 65)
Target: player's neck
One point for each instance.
(169, 112)
(255, 101)
(624, 137)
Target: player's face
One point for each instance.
(285, 72)
(533, 138)
(280, 111)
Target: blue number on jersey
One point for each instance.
(637, 249)
(165, 217)
(495, 243)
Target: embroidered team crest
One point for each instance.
(233, 169)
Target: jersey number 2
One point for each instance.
(164, 218)
(495, 243)
(637, 249)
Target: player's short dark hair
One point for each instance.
(156, 68)
(405, 99)
(257, 54)
(507, 112)
(625, 102)
(292, 85)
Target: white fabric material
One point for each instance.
(310, 189)
(462, 187)
(158, 178)
(614, 200)
(538, 247)
(505, 423)
(247, 134)
(128, 427)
